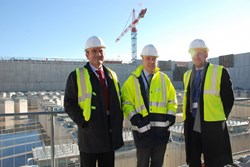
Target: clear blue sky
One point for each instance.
(60, 28)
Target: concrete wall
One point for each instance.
(240, 73)
(27, 75)
(46, 75)
(34, 75)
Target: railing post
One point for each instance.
(52, 141)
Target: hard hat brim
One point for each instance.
(95, 47)
(191, 50)
(149, 55)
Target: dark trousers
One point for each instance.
(195, 149)
(152, 155)
(195, 145)
(105, 159)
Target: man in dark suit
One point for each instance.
(207, 103)
(92, 101)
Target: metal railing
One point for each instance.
(51, 114)
(49, 139)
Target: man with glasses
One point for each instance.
(207, 103)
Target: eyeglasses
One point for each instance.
(197, 53)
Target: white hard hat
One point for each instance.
(93, 42)
(149, 50)
(197, 43)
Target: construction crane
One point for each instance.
(133, 32)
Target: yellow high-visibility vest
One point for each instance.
(85, 90)
(162, 98)
(213, 107)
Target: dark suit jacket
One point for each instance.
(101, 133)
(214, 135)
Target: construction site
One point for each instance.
(34, 130)
(38, 85)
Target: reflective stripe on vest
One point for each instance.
(115, 80)
(214, 87)
(213, 107)
(163, 89)
(186, 79)
(211, 94)
(152, 124)
(159, 124)
(84, 92)
(142, 129)
(158, 98)
(142, 109)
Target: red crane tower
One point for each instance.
(133, 32)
